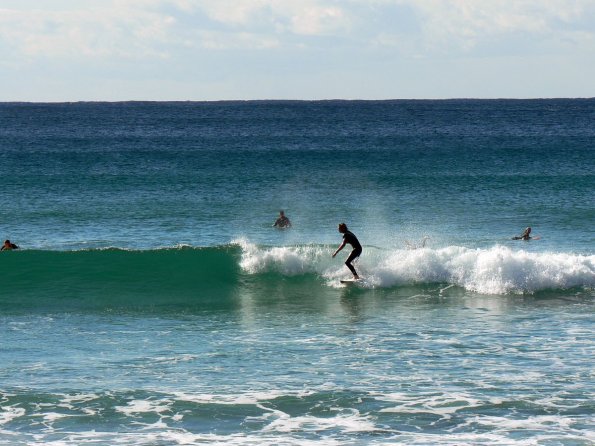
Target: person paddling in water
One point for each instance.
(8, 246)
(349, 237)
(526, 235)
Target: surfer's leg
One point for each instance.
(352, 269)
(354, 255)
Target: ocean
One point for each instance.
(152, 302)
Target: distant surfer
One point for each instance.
(8, 246)
(282, 222)
(526, 235)
(349, 237)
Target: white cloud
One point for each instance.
(157, 28)
(320, 21)
(451, 25)
(233, 12)
(303, 17)
(175, 41)
(101, 32)
(225, 41)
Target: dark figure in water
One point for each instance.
(8, 246)
(349, 237)
(282, 222)
(526, 235)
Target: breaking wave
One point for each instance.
(167, 277)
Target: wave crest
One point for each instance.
(289, 261)
(497, 270)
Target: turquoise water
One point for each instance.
(152, 303)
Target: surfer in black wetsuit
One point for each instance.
(526, 235)
(8, 246)
(349, 237)
(282, 222)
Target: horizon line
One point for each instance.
(122, 101)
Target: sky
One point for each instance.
(118, 50)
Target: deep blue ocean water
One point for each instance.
(151, 301)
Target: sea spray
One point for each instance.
(497, 270)
(286, 260)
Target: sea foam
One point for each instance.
(495, 270)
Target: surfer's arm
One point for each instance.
(340, 248)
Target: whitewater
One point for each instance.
(498, 270)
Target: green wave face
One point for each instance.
(116, 279)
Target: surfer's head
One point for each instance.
(342, 228)
(528, 230)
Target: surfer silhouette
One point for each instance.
(282, 222)
(349, 237)
(8, 246)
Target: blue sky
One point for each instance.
(70, 50)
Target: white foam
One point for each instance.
(247, 398)
(286, 260)
(9, 413)
(443, 405)
(347, 423)
(50, 417)
(496, 270)
(177, 437)
(144, 406)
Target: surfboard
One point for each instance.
(351, 281)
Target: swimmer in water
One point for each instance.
(282, 222)
(8, 246)
(526, 235)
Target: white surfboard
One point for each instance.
(352, 281)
